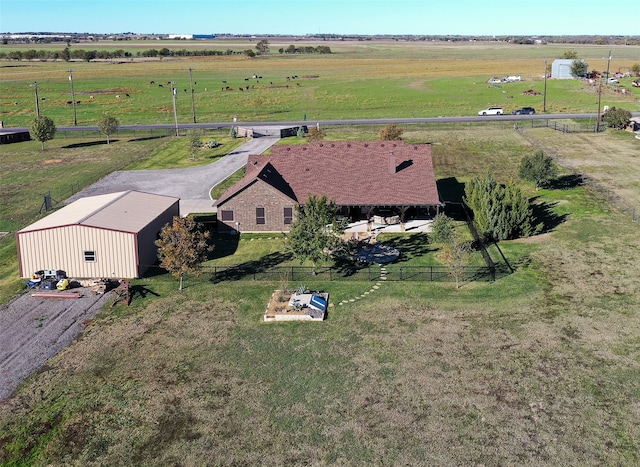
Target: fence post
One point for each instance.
(400, 273)
(369, 271)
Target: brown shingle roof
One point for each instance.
(351, 173)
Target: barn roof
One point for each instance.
(351, 173)
(126, 211)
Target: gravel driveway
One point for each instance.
(194, 183)
(32, 330)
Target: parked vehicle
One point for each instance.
(612, 81)
(492, 111)
(524, 111)
(511, 79)
(635, 83)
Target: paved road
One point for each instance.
(191, 185)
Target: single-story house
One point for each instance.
(387, 180)
(110, 236)
(561, 68)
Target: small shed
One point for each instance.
(561, 68)
(110, 236)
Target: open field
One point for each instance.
(541, 367)
(358, 80)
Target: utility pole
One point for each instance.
(544, 102)
(193, 104)
(73, 98)
(173, 97)
(35, 86)
(600, 93)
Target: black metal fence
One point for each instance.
(367, 273)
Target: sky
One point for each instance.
(301, 17)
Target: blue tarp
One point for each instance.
(318, 303)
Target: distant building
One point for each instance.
(561, 68)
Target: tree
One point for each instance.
(570, 54)
(455, 253)
(456, 256)
(43, 129)
(262, 47)
(442, 229)
(500, 212)
(66, 54)
(182, 247)
(538, 168)
(194, 143)
(108, 126)
(579, 68)
(617, 119)
(315, 234)
(390, 133)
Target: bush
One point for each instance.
(501, 212)
(617, 119)
(539, 169)
(390, 133)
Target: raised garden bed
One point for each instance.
(289, 305)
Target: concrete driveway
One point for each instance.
(191, 185)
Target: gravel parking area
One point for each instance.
(32, 330)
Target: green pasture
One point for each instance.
(359, 80)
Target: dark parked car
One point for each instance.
(524, 111)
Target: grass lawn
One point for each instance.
(541, 367)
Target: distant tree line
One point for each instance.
(292, 49)
(68, 54)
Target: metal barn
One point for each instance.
(561, 68)
(109, 236)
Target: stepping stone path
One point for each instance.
(383, 277)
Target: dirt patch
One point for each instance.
(52, 161)
(33, 329)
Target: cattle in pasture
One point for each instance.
(90, 97)
(117, 96)
(160, 86)
(152, 82)
(127, 95)
(224, 81)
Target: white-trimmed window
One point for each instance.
(89, 256)
(260, 216)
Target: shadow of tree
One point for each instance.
(88, 144)
(410, 247)
(248, 268)
(544, 212)
(141, 291)
(566, 182)
(147, 138)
